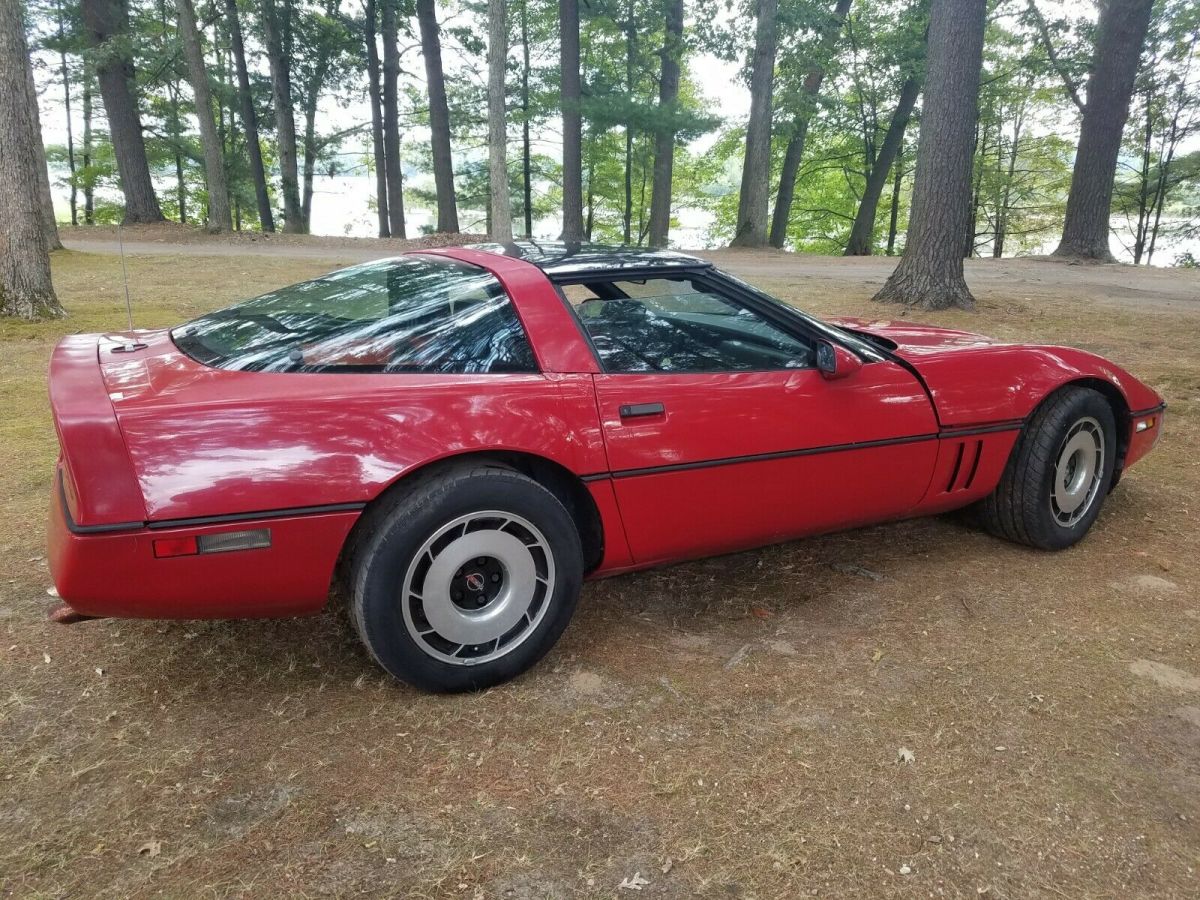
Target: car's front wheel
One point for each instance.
(467, 579)
(1059, 473)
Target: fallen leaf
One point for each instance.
(667, 865)
(150, 848)
(636, 883)
(876, 656)
(46, 657)
(906, 756)
(759, 613)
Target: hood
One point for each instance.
(913, 341)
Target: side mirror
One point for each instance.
(835, 361)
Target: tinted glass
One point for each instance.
(680, 325)
(413, 314)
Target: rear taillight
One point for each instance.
(223, 542)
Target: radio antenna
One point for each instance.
(125, 276)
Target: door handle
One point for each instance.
(636, 410)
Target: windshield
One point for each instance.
(411, 314)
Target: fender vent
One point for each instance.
(966, 464)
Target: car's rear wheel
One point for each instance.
(1059, 473)
(467, 579)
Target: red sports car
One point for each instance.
(459, 437)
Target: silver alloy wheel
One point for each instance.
(478, 587)
(1078, 471)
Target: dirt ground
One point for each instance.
(911, 710)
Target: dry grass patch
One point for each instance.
(729, 727)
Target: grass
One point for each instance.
(734, 721)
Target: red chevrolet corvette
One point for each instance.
(460, 437)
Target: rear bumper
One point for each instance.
(117, 574)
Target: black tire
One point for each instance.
(1024, 507)
(392, 557)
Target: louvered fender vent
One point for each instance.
(966, 464)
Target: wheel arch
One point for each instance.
(1121, 413)
(555, 477)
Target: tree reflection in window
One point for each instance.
(410, 314)
(679, 325)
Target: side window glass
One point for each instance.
(679, 325)
(412, 314)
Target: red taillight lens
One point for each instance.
(69, 492)
(180, 546)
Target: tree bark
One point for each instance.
(526, 154)
(439, 118)
(46, 204)
(391, 121)
(862, 234)
(266, 217)
(89, 194)
(630, 51)
(664, 138)
(795, 146)
(312, 101)
(25, 287)
(894, 218)
(1120, 33)
(277, 30)
(499, 205)
(930, 274)
(66, 82)
(107, 23)
(375, 97)
(220, 217)
(572, 121)
(751, 228)
(1006, 195)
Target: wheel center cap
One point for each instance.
(475, 582)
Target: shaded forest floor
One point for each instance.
(730, 727)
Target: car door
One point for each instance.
(720, 432)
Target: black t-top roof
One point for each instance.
(558, 258)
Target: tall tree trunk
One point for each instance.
(375, 97)
(1006, 195)
(664, 137)
(66, 82)
(174, 120)
(89, 194)
(277, 30)
(439, 118)
(526, 154)
(46, 211)
(25, 287)
(312, 101)
(1120, 34)
(391, 120)
(930, 274)
(751, 228)
(795, 146)
(894, 218)
(266, 218)
(591, 201)
(976, 194)
(499, 206)
(572, 121)
(107, 23)
(219, 216)
(630, 51)
(862, 234)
